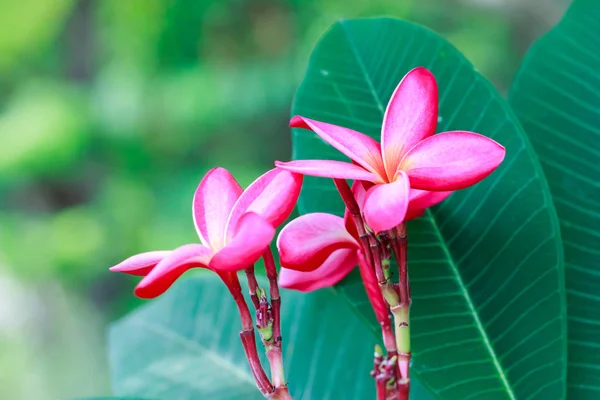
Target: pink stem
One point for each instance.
(347, 196)
(276, 362)
(399, 245)
(274, 352)
(379, 305)
(274, 294)
(260, 376)
(354, 210)
(372, 274)
(247, 334)
(233, 284)
(380, 387)
(400, 248)
(404, 387)
(252, 286)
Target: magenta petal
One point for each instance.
(250, 240)
(334, 269)
(360, 148)
(217, 193)
(358, 189)
(451, 161)
(329, 169)
(272, 196)
(140, 264)
(422, 199)
(386, 205)
(410, 117)
(172, 267)
(307, 241)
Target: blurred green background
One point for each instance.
(110, 113)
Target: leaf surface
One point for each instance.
(486, 266)
(556, 95)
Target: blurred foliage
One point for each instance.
(111, 111)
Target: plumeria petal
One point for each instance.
(360, 148)
(249, 241)
(411, 116)
(172, 267)
(451, 161)
(272, 196)
(359, 191)
(306, 242)
(386, 204)
(140, 264)
(333, 270)
(422, 199)
(217, 193)
(329, 169)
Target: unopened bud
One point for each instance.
(266, 332)
(378, 351)
(262, 293)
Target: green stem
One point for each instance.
(401, 313)
(276, 362)
(281, 393)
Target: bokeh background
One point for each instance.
(110, 113)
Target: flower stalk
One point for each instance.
(377, 251)
(259, 374)
(402, 313)
(374, 262)
(268, 323)
(247, 334)
(271, 271)
(252, 286)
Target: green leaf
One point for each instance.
(556, 96)
(185, 345)
(486, 266)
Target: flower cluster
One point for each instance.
(235, 228)
(396, 180)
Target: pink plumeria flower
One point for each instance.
(410, 155)
(318, 250)
(235, 228)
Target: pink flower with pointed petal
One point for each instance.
(235, 228)
(318, 250)
(410, 155)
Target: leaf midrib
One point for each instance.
(471, 306)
